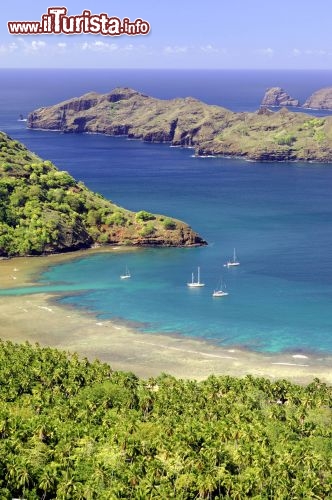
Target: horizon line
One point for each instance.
(163, 69)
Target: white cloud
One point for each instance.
(129, 48)
(175, 49)
(296, 52)
(8, 48)
(21, 44)
(316, 52)
(310, 52)
(104, 47)
(268, 52)
(210, 49)
(99, 46)
(36, 45)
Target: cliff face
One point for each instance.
(211, 130)
(183, 122)
(321, 99)
(276, 96)
(44, 210)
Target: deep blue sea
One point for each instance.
(278, 216)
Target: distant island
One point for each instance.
(44, 210)
(321, 99)
(276, 96)
(264, 135)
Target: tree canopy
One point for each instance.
(74, 429)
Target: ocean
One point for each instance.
(277, 216)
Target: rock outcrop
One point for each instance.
(212, 130)
(276, 96)
(321, 99)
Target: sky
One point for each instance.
(216, 34)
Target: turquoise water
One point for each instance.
(278, 216)
(261, 312)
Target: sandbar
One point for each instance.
(39, 318)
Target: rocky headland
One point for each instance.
(44, 210)
(212, 130)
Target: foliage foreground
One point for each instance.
(72, 429)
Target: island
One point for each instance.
(276, 96)
(321, 99)
(44, 210)
(264, 135)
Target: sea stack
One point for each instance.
(276, 96)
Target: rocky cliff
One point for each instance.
(127, 112)
(321, 99)
(44, 210)
(276, 96)
(211, 130)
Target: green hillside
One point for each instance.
(44, 210)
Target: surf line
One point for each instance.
(288, 364)
(186, 350)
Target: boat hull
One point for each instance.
(219, 293)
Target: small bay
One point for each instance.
(278, 216)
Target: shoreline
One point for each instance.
(38, 318)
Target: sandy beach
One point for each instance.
(39, 318)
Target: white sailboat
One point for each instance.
(126, 275)
(193, 283)
(220, 292)
(234, 262)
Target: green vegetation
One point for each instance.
(169, 224)
(148, 229)
(44, 210)
(315, 128)
(144, 216)
(72, 429)
(313, 123)
(285, 139)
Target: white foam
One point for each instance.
(46, 309)
(299, 356)
(210, 355)
(288, 364)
